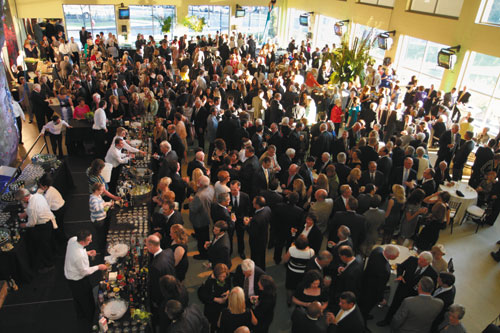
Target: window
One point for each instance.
(216, 17)
(362, 31)
(295, 30)
(419, 57)
(94, 18)
(326, 34)
(450, 8)
(383, 3)
(144, 20)
(490, 12)
(254, 22)
(482, 76)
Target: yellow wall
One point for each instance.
(448, 31)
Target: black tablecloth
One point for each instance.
(82, 132)
(63, 180)
(15, 263)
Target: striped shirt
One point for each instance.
(96, 179)
(298, 259)
(96, 205)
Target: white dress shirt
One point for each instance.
(99, 120)
(126, 146)
(54, 198)
(306, 230)
(115, 156)
(76, 263)
(54, 128)
(73, 47)
(39, 212)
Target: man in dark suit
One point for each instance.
(341, 168)
(409, 274)
(405, 175)
(197, 163)
(258, 231)
(442, 173)
(375, 278)
(262, 177)
(428, 182)
(446, 292)
(322, 163)
(384, 164)
(241, 207)
(398, 154)
(114, 90)
(271, 195)
(199, 117)
(310, 319)
(339, 205)
(448, 144)
(462, 98)
(40, 107)
(417, 313)
(276, 110)
(218, 250)
(178, 185)
(482, 155)
(258, 141)
(372, 176)
(368, 153)
(355, 222)
(163, 222)
(248, 169)
(349, 318)
(320, 262)
(175, 142)
(365, 198)
(349, 275)
(305, 171)
(341, 145)
(343, 235)
(162, 264)
(285, 160)
(244, 274)
(288, 177)
(84, 35)
(167, 158)
(220, 212)
(461, 156)
(324, 143)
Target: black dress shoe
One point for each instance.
(243, 256)
(200, 257)
(495, 256)
(383, 323)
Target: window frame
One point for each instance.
(485, 5)
(434, 11)
(190, 13)
(376, 4)
(153, 21)
(259, 36)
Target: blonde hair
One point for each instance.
(354, 175)
(322, 181)
(299, 187)
(179, 234)
(164, 183)
(399, 193)
(236, 301)
(197, 173)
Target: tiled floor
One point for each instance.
(45, 305)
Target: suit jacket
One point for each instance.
(306, 175)
(483, 155)
(340, 146)
(375, 277)
(272, 198)
(355, 222)
(276, 112)
(218, 252)
(398, 156)
(338, 205)
(243, 208)
(177, 145)
(366, 179)
(302, 323)
(448, 298)
(352, 323)
(323, 211)
(166, 163)
(38, 102)
(178, 186)
(397, 177)
(444, 141)
(259, 182)
(219, 213)
(315, 237)
(323, 144)
(239, 277)
(429, 187)
(258, 228)
(408, 269)
(247, 172)
(287, 216)
(342, 171)
(163, 223)
(364, 201)
(284, 180)
(462, 153)
(194, 164)
(368, 154)
(162, 264)
(349, 279)
(199, 208)
(200, 118)
(463, 99)
(320, 166)
(416, 314)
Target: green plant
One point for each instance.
(166, 23)
(348, 61)
(194, 23)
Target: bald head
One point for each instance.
(314, 309)
(391, 252)
(153, 244)
(200, 156)
(321, 195)
(204, 181)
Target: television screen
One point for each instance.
(123, 13)
(337, 28)
(304, 20)
(240, 13)
(446, 59)
(382, 42)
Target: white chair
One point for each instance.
(477, 213)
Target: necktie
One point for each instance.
(373, 177)
(289, 180)
(405, 177)
(246, 286)
(267, 176)
(339, 316)
(418, 271)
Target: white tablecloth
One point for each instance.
(469, 198)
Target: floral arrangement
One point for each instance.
(194, 23)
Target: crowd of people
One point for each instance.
(323, 172)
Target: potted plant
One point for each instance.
(194, 23)
(348, 61)
(166, 23)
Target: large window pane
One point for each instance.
(361, 31)
(439, 7)
(482, 72)
(216, 17)
(491, 13)
(255, 20)
(326, 35)
(95, 18)
(144, 20)
(295, 30)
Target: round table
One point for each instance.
(469, 198)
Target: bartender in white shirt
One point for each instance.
(56, 204)
(100, 129)
(117, 159)
(55, 129)
(121, 133)
(39, 227)
(77, 271)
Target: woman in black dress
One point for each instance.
(171, 288)
(311, 290)
(264, 304)
(179, 247)
(236, 314)
(214, 293)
